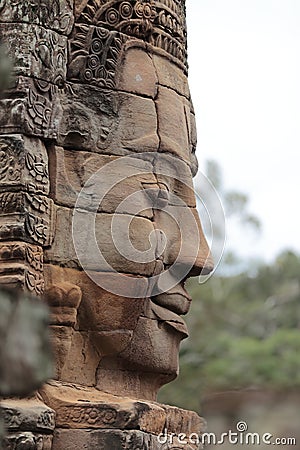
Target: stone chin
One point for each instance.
(150, 360)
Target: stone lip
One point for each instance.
(176, 300)
(79, 407)
(162, 313)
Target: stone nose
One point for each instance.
(186, 249)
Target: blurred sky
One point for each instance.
(244, 58)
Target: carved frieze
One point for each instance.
(34, 416)
(160, 23)
(32, 107)
(27, 440)
(23, 164)
(54, 14)
(29, 425)
(27, 217)
(35, 51)
(21, 266)
(94, 55)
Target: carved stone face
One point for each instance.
(121, 177)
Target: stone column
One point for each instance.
(97, 150)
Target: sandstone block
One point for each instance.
(88, 408)
(150, 334)
(92, 286)
(54, 14)
(21, 266)
(73, 349)
(95, 55)
(176, 175)
(137, 73)
(171, 76)
(186, 243)
(36, 52)
(105, 439)
(27, 415)
(27, 217)
(158, 24)
(31, 107)
(28, 440)
(104, 242)
(108, 185)
(24, 164)
(63, 300)
(173, 127)
(107, 122)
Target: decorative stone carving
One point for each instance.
(32, 107)
(29, 424)
(36, 52)
(21, 266)
(162, 23)
(31, 218)
(87, 417)
(24, 164)
(53, 14)
(94, 55)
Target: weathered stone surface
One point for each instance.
(63, 299)
(115, 439)
(137, 73)
(73, 349)
(26, 216)
(176, 175)
(21, 266)
(36, 52)
(179, 420)
(93, 295)
(28, 440)
(95, 55)
(31, 107)
(107, 122)
(81, 407)
(24, 164)
(104, 325)
(171, 118)
(186, 242)
(159, 24)
(53, 14)
(27, 415)
(171, 76)
(106, 189)
(133, 254)
(149, 335)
